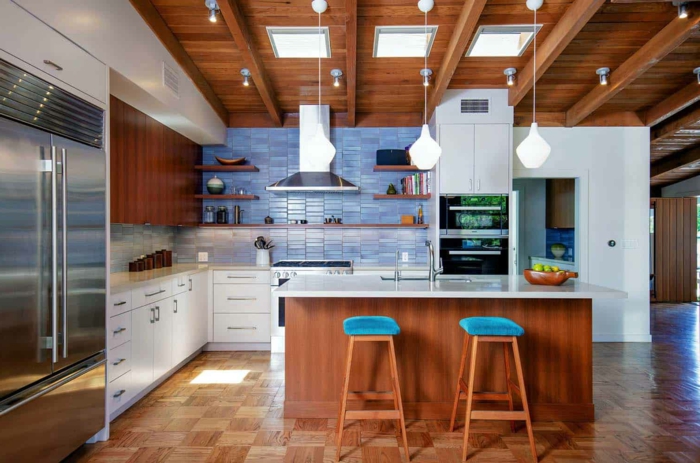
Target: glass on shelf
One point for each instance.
(209, 215)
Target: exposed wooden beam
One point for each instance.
(558, 119)
(154, 20)
(675, 161)
(351, 58)
(671, 127)
(463, 31)
(670, 37)
(673, 104)
(570, 24)
(236, 23)
(291, 120)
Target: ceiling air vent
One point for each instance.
(475, 106)
(171, 80)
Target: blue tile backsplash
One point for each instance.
(565, 236)
(276, 153)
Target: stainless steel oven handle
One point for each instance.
(475, 253)
(241, 298)
(474, 208)
(242, 327)
(54, 259)
(240, 278)
(64, 260)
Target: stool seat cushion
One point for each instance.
(368, 325)
(491, 326)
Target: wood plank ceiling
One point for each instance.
(388, 91)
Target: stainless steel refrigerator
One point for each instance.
(52, 269)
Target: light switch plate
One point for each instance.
(202, 257)
(404, 257)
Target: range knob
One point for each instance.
(278, 274)
(286, 274)
(329, 272)
(337, 272)
(294, 274)
(346, 272)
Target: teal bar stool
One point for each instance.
(371, 329)
(491, 329)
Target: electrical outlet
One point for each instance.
(404, 257)
(202, 257)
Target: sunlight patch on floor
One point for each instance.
(220, 377)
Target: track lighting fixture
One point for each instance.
(426, 73)
(337, 74)
(510, 76)
(696, 71)
(604, 74)
(246, 77)
(683, 10)
(213, 9)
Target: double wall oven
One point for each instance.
(474, 234)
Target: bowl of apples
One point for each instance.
(547, 275)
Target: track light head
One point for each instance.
(604, 74)
(337, 74)
(213, 9)
(510, 76)
(683, 10)
(246, 77)
(426, 73)
(696, 71)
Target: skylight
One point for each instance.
(403, 41)
(501, 40)
(299, 42)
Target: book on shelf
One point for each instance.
(419, 183)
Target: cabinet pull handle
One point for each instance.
(240, 278)
(119, 330)
(119, 303)
(470, 184)
(118, 362)
(157, 313)
(190, 284)
(242, 298)
(54, 65)
(119, 393)
(153, 315)
(478, 185)
(242, 327)
(156, 293)
(175, 309)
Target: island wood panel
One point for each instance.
(556, 353)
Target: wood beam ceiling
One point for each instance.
(235, 20)
(673, 104)
(570, 24)
(463, 32)
(670, 37)
(351, 58)
(671, 127)
(154, 20)
(675, 161)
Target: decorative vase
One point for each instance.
(391, 190)
(262, 257)
(215, 186)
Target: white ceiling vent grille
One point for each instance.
(171, 80)
(475, 106)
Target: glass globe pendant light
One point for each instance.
(320, 148)
(534, 150)
(425, 152)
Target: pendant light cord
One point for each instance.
(425, 87)
(534, 69)
(319, 67)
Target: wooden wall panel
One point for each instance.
(675, 243)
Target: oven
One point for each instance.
(473, 215)
(474, 256)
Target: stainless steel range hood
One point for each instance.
(313, 178)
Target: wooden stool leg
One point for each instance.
(344, 396)
(470, 394)
(465, 350)
(397, 389)
(523, 395)
(508, 387)
(392, 368)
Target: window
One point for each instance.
(300, 42)
(403, 41)
(501, 40)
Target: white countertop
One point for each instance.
(495, 287)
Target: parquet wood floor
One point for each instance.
(647, 400)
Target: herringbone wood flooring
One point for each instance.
(647, 400)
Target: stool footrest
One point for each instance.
(372, 415)
(499, 415)
(371, 395)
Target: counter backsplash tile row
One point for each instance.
(130, 241)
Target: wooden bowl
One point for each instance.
(230, 162)
(548, 278)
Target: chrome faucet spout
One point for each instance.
(432, 271)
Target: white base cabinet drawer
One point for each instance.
(119, 392)
(119, 303)
(241, 277)
(241, 299)
(119, 330)
(152, 293)
(118, 361)
(241, 328)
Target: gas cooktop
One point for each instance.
(312, 264)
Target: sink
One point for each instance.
(425, 278)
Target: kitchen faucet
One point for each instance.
(432, 271)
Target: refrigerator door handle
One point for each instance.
(54, 260)
(64, 260)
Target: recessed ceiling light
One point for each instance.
(501, 40)
(403, 41)
(299, 42)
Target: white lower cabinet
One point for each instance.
(183, 329)
(242, 307)
(162, 338)
(142, 320)
(244, 327)
(120, 391)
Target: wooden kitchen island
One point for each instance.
(556, 349)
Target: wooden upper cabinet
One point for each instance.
(152, 170)
(561, 203)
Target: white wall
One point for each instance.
(113, 32)
(686, 188)
(532, 234)
(613, 165)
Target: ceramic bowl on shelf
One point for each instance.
(548, 278)
(230, 162)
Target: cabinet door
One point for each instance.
(142, 323)
(457, 159)
(492, 153)
(163, 338)
(183, 330)
(199, 310)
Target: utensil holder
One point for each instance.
(262, 257)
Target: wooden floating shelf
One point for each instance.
(251, 197)
(428, 196)
(219, 168)
(313, 225)
(397, 169)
